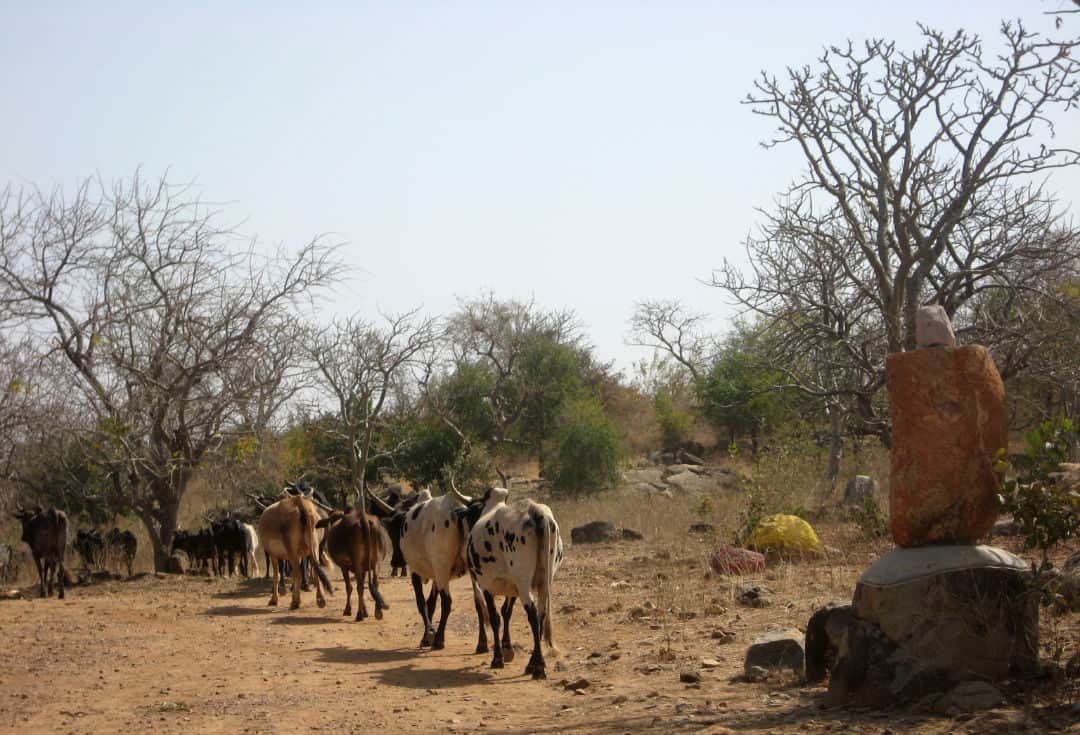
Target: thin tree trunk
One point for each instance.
(836, 446)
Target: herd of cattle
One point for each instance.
(509, 550)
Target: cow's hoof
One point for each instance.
(425, 642)
(294, 605)
(539, 673)
(438, 644)
(508, 653)
(347, 613)
(496, 663)
(272, 603)
(378, 613)
(319, 602)
(481, 648)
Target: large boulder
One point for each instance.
(925, 620)
(949, 420)
(963, 607)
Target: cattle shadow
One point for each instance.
(235, 611)
(344, 655)
(410, 676)
(253, 587)
(289, 618)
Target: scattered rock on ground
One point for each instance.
(689, 677)
(784, 534)
(778, 650)
(702, 528)
(629, 534)
(754, 596)
(733, 560)
(859, 490)
(966, 697)
(593, 532)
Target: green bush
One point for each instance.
(675, 425)
(1046, 511)
(586, 450)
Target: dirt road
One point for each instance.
(188, 654)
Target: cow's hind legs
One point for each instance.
(440, 634)
(507, 611)
(493, 616)
(274, 583)
(421, 606)
(348, 593)
(373, 586)
(481, 623)
(536, 665)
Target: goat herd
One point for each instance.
(509, 550)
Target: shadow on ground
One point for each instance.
(233, 611)
(255, 587)
(344, 655)
(410, 676)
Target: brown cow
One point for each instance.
(45, 531)
(287, 533)
(356, 542)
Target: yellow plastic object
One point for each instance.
(784, 533)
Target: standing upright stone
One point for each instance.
(949, 420)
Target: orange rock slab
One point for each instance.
(949, 419)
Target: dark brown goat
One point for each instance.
(356, 542)
(45, 531)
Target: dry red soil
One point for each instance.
(195, 655)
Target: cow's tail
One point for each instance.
(307, 526)
(546, 548)
(386, 548)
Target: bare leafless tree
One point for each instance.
(924, 184)
(669, 326)
(173, 329)
(363, 365)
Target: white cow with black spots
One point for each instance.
(514, 551)
(431, 535)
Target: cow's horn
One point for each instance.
(457, 493)
(387, 508)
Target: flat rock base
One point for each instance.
(923, 620)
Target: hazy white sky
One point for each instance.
(586, 154)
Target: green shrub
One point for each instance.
(675, 425)
(585, 452)
(1046, 511)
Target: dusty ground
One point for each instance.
(188, 654)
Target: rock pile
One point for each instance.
(937, 612)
